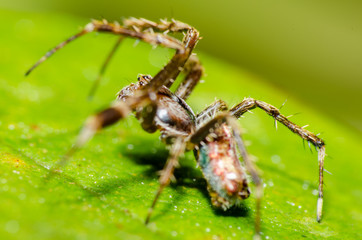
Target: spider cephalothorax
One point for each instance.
(212, 134)
(168, 113)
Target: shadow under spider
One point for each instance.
(236, 211)
(186, 176)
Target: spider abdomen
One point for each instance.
(226, 178)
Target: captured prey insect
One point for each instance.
(213, 134)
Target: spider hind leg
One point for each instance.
(249, 103)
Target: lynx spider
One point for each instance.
(213, 134)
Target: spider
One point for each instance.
(212, 134)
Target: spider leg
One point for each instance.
(56, 48)
(92, 125)
(253, 172)
(206, 129)
(170, 72)
(210, 111)
(177, 148)
(115, 28)
(138, 25)
(193, 70)
(104, 67)
(167, 75)
(192, 67)
(250, 103)
(141, 24)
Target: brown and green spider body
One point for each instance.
(212, 134)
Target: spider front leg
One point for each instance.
(139, 25)
(117, 29)
(168, 74)
(249, 103)
(193, 68)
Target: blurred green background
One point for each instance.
(104, 192)
(310, 49)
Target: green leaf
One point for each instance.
(107, 188)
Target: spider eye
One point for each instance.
(142, 77)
